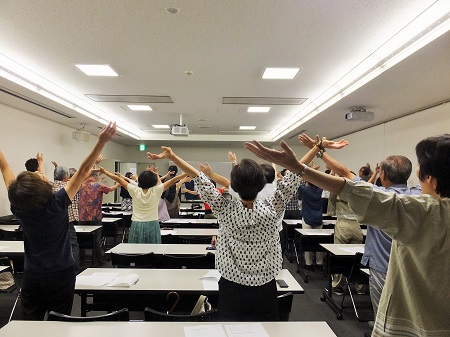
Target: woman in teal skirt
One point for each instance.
(145, 225)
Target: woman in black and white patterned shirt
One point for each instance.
(248, 253)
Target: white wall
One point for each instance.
(23, 135)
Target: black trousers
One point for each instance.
(47, 291)
(241, 303)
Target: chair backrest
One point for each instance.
(189, 261)
(194, 239)
(119, 315)
(132, 260)
(16, 235)
(153, 315)
(285, 305)
(7, 279)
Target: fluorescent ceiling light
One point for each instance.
(97, 69)
(23, 76)
(258, 109)
(280, 73)
(156, 126)
(247, 127)
(139, 107)
(424, 29)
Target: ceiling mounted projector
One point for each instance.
(359, 115)
(179, 130)
(80, 135)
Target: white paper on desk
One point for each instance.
(353, 250)
(96, 279)
(168, 232)
(210, 280)
(124, 281)
(246, 330)
(209, 330)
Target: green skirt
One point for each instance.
(144, 232)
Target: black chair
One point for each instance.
(121, 315)
(15, 235)
(193, 239)
(285, 305)
(356, 276)
(10, 282)
(190, 261)
(132, 260)
(151, 315)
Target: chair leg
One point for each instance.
(15, 304)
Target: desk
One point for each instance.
(190, 223)
(340, 259)
(156, 282)
(12, 248)
(172, 249)
(191, 232)
(150, 329)
(90, 237)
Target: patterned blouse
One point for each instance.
(91, 197)
(248, 245)
(73, 208)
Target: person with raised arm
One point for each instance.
(145, 198)
(49, 272)
(414, 299)
(248, 254)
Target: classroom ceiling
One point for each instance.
(209, 52)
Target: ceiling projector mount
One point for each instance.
(80, 135)
(358, 114)
(179, 130)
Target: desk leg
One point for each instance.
(302, 272)
(83, 305)
(327, 293)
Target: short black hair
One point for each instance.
(147, 179)
(28, 192)
(433, 155)
(247, 179)
(269, 173)
(32, 165)
(173, 168)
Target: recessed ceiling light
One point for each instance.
(172, 10)
(161, 126)
(258, 109)
(247, 127)
(139, 107)
(97, 69)
(280, 73)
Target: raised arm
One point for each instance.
(207, 170)
(8, 175)
(172, 181)
(116, 177)
(169, 154)
(232, 158)
(105, 135)
(332, 163)
(374, 176)
(287, 159)
(40, 160)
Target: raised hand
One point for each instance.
(167, 153)
(329, 144)
(99, 159)
(286, 157)
(206, 168)
(55, 164)
(232, 157)
(306, 140)
(107, 132)
(40, 157)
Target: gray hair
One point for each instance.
(61, 173)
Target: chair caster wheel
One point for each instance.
(306, 279)
(339, 316)
(322, 298)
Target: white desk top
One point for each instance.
(145, 248)
(321, 231)
(174, 280)
(2, 268)
(111, 219)
(151, 329)
(117, 213)
(193, 221)
(14, 247)
(78, 229)
(343, 249)
(191, 231)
